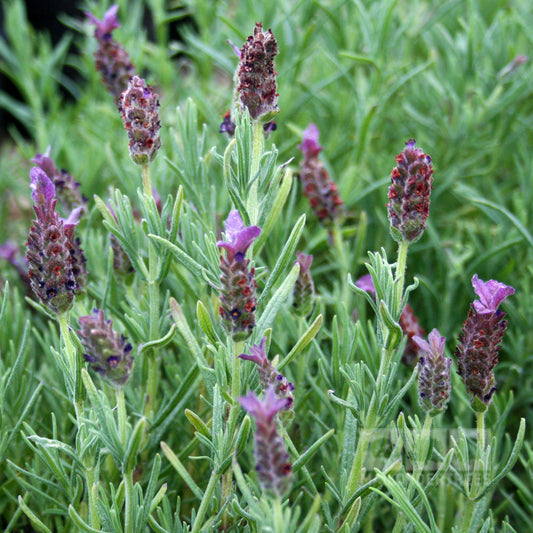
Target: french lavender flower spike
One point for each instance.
(257, 88)
(411, 184)
(273, 467)
(434, 383)
(139, 107)
(480, 341)
(238, 294)
(50, 249)
(112, 60)
(108, 352)
(316, 183)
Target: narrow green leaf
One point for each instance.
(306, 456)
(181, 470)
(302, 343)
(33, 517)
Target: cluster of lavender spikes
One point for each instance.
(56, 265)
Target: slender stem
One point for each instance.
(257, 151)
(129, 519)
(75, 369)
(121, 411)
(340, 251)
(477, 476)
(93, 514)
(234, 411)
(147, 182)
(401, 265)
(278, 515)
(153, 302)
(206, 500)
(421, 454)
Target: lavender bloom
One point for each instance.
(317, 185)
(409, 193)
(273, 467)
(268, 375)
(238, 300)
(408, 322)
(52, 252)
(139, 107)
(480, 339)
(304, 288)
(257, 87)
(67, 188)
(106, 350)
(112, 60)
(434, 383)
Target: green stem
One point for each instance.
(93, 514)
(257, 151)
(153, 302)
(356, 473)
(401, 265)
(342, 261)
(72, 357)
(421, 454)
(234, 411)
(121, 411)
(129, 518)
(147, 182)
(206, 500)
(278, 515)
(477, 476)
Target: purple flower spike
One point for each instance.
(310, 147)
(491, 294)
(238, 237)
(257, 354)
(238, 299)
(107, 24)
(273, 467)
(480, 341)
(434, 382)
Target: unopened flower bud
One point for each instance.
(108, 352)
(434, 382)
(139, 107)
(257, 87)
(409, 193)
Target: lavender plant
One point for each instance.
(209, 336)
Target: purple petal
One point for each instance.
(304, 261)
(265, 409)
(43, 190)
(310, 146)
(46, 163)
(366, 284)
(73, 218)
(422, 344)
(236, 49)
(107, 24)
(9, 251)
(491, 294)
(238, 237)
(436, 341)
(257, 353)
